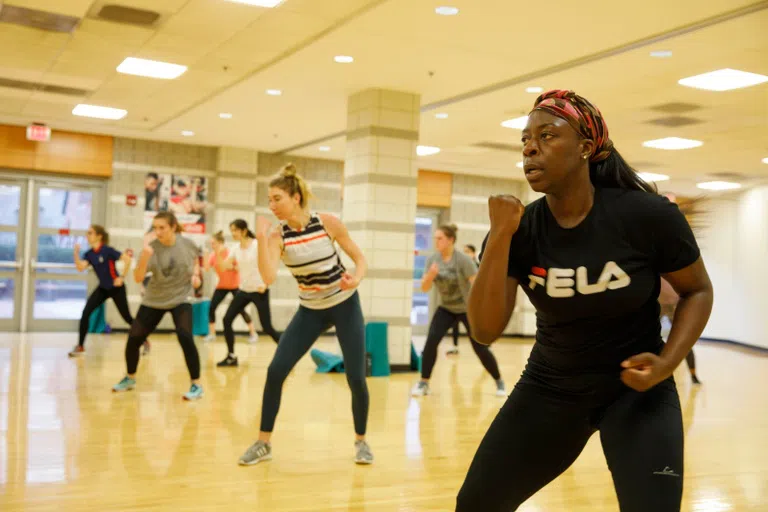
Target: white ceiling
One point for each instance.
(474, 67)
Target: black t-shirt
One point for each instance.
(595, 286)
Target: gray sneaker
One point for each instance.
(258, 452)
(363, 453)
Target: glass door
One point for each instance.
(62, 213)
(421, 311)
(13, 195)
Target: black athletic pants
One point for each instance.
(443, 320)
(535, 437)
(146, 321)
(99, 297)
(305, 327)
(219, 294)
(238, 304)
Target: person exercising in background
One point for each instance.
(470, 250)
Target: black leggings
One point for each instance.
(146, 321)
(535, 438)
(219, 294)
(97, 298)
(238, 305)
(456, 333)
(305, 327)
(441, 322)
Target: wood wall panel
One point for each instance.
(434, 189)
(76, 154)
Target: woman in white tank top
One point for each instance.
(305, 242)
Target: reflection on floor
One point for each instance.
(68, 443)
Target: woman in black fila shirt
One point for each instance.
(589, 255)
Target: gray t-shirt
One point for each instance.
(452, 281)
(172, 268)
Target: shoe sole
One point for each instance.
(185, 397)
(121, 390)
(363, 462)
(260, 459)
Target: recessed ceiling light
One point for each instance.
(517, 123)
(765, 160)
(324, 148)
(427, 150)
(225, 115)
(445, 10)
(672, 143)
(661, 54)
(98, 112)
(441, 115)
(151, 68)
(718, 185)
(343, 59)
(650, 176)
(187, 133)
(259, 3)
(519, 165)
(723, 80)
(274, 92)
(534, 90)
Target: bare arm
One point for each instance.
(270, 247)
(429, 277)
(696, 297)
(141, 266)
(493, 293)
(338, 231)
(79, 263)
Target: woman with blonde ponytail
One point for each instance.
(305, 242)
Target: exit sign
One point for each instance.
(38, 133)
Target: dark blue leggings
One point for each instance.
(305, 327)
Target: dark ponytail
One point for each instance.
(615, 172)
(242, 225)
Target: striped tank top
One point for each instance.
(311, 256)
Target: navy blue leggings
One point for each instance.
(305, 327)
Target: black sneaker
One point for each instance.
(228, 361)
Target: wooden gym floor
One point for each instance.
(68, 444)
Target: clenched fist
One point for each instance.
(263, 225)
(505, 212)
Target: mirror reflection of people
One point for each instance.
(151, 183)
(102, 258)
(174, 262)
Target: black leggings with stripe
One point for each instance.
(537, 436)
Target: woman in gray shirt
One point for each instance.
(452, 272)
(174, 263)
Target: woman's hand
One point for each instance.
(348, 281)
(643, 371)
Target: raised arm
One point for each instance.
(270, 246)
(141, 266)
(493, 292)
(79, 263)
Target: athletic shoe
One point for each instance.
(501, 389)
(253, 338)
(258, 452)
(228, 361)
(146, 346)
(452, 352)
(363, 453)
(77, 351)
(420, 389)
(695, 379)
(195, 392)
(209, 337)
(124, 385)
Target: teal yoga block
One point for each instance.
(97, 323)
(327, 362)
(200, 317)
(376, 345)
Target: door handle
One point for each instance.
(11, 264)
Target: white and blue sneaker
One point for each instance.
(126, 384)
(195, 392)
